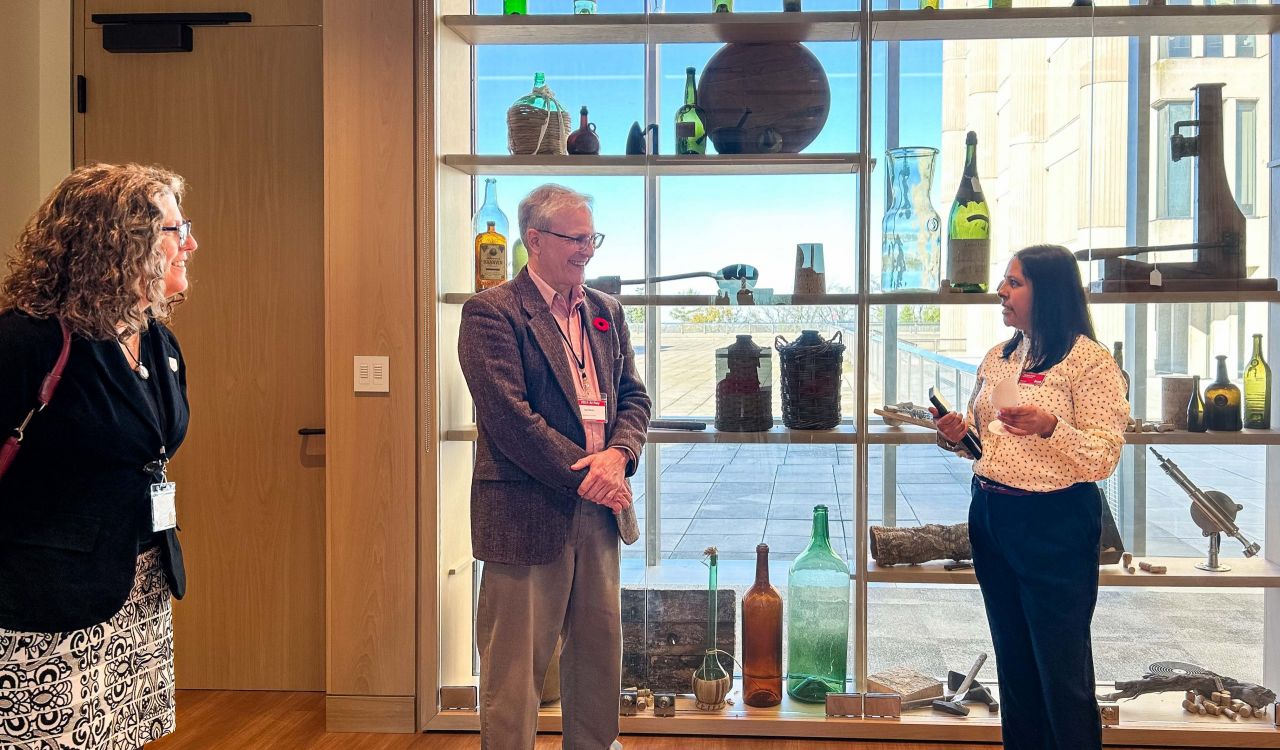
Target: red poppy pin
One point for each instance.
(601, 324)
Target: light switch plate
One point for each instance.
(372, 375)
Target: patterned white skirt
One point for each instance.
(104, 687)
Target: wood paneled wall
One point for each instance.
(371, 308)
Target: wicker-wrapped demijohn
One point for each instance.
(811, 378)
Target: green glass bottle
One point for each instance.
(1222, 401)
(1195, 409)
(928, 4)
(817, 618)
(691, 132)
(722, 6)
(515, 7)
(519, 258)
(1257, 389)
(969, 228)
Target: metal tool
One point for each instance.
(738, 275)
(954, 706)
(1214, 512)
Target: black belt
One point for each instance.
(987, 485)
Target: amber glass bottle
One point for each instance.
(762, 638)
(1222, 401)
(491, 258)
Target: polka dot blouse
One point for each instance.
(1085, 391)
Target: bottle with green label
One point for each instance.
(691, 132)
(969, 228)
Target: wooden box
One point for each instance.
(663, 634)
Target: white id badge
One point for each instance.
(594, 410)
(164, 507)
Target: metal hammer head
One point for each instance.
(950, 707)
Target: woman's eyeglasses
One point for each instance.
(184, 231)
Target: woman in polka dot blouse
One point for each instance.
(1036, 514)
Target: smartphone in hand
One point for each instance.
(970, 440)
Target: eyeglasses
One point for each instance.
(183, 230)
(594, 240)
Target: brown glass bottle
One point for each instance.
(762, 638)
(1222, 401)
(1195, 409)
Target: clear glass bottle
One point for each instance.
(817, 618)
(491, 258)
(911, 232)
(969, 228)
(1257, 389)
(490, 212)
(584, 7)
(762, 638)
(1196, 418)
(691, 131)
(515, 7)
(1222, 401)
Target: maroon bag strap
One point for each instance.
(9, 450)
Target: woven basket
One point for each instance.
(811, 377)
(533, 130)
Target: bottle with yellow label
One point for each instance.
(491, 258)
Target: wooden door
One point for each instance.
(240, 118)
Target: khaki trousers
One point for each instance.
(523, 609)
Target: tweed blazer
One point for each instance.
(523, 494)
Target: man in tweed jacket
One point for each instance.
(562, 416)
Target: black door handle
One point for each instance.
(305, 431)
(158, 32)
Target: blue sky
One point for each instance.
(709, 222)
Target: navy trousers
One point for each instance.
(1036, 558)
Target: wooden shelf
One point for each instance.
(924, 298)
(697, 300)
(842, 435)
(1156, 720)
(668, 166)
(668, 28)
(1253, 572)
(1059, 22)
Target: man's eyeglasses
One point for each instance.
(594, 240)
(184, 231)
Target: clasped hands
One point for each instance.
(1027, 419)
(606, 480)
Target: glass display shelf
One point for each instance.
(928, 298)
(844, 434)
(1155, 719)
(1063, 22)
(887, 25)
(883, 434)
(715, 164)
(1246, 572)
(657, 28)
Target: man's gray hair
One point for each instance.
(545, 201)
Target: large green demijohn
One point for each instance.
(817, 618)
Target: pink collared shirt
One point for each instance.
(568, 315)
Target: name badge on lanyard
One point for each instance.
(164, 506)
(1031, 378)
(594, 409)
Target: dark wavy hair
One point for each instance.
(1059, 312)
(91, 253)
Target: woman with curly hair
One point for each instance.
(89, 557)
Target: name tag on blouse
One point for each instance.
(1032, 378)
(594, 410)
(164, 506)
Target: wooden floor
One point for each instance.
(295, 721)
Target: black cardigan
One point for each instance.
(75, 506)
